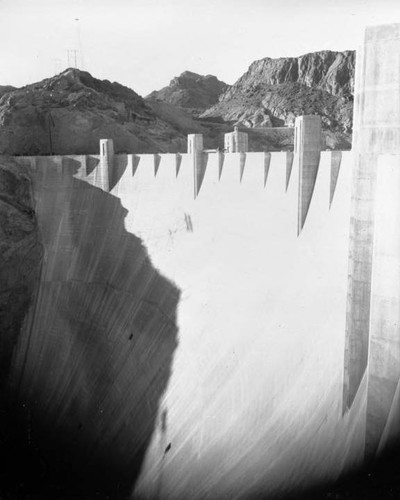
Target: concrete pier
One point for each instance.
(105, 170)
(307, 147)
(199, 160)
(236, 142)
(195, 143)
(384, 339)
(376, 134)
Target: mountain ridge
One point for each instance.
(321, 83)
(76, 110)
(68, 113)
(191, 91)
(331, 70)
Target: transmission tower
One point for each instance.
(75, 55)
(72, 58)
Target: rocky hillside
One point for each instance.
(274, 91)
(191, 91)
(326, 70)
(70, 112)
(278, 105)
(4, 89)
(20, 255)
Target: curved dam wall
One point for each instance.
(184, 339)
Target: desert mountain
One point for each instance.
(70, 112)
(191, 91)
(274, 91)
(326, 70)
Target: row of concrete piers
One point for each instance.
(308, 134)
(307, 150)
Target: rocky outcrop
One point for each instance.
(330, 71)
(274, 91)
(191, 91)
(278, 105)
(20, 255)
(326, 70)
(20, 262)
(70, 112)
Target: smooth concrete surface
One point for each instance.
(336, 161)
(376, 132)
(200, 160)
(195, 143)
(267, 163)
(242, 160)
(106, 166)
(198, 338)
(178, 161)
(289, 166)
(234, 422)
(307, 148)
(384, 349)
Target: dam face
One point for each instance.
(219, 325)
(97, 345)
(196, 338)
(254, 399)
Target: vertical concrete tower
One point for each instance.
(236, 142)
(307, 148)
(372, 347)
(105, 168)
(195, 143)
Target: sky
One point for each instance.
(143, 44)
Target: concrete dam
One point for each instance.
(219, 325)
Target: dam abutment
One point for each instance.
(372, 339)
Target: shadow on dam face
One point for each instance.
(93, 357)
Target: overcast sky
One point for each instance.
(145, 43)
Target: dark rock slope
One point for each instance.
(70, 112)
(191, 91)
(20, 261)
(274, 91)
(20, 255)
(4, 89)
